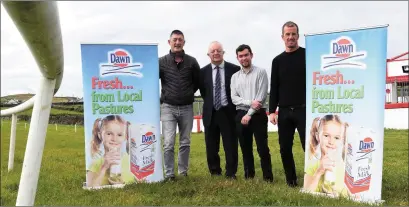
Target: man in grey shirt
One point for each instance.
(249, 93)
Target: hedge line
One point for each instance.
(67, 119)
(77, 108)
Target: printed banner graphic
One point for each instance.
(121, 114)
(346, 73)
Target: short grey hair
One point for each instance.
(215, 42)
(289, 24)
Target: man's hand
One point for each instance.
(245, 120)
(256, 105)
(273, 118)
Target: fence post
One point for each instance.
(35, 144)
(394, 92)
(405, 91)
(198, 125)
(12, 141)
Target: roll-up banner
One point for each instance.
(121, 114)
(346, 74)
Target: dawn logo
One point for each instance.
(120, 63)
(343, 53)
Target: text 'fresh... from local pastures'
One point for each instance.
(103, 102)
(322, 98)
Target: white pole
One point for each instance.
(35, 144)
(75, 127)
(25, 125)
(394, 92)
(56, 127)
(12, 141)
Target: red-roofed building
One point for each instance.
(397, 82)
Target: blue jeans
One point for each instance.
(172, 116)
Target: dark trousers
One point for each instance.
(222, 123)
(258, 126)
(289, 119)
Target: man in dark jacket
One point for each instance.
(219, 111)
(179, 75)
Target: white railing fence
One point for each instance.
(38, 24)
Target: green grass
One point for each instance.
(63, 173)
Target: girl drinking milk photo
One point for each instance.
(109, 166)
(326, 164)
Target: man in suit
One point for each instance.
(219, 111)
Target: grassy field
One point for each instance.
(63, 172)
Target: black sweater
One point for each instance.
(180, 81)
(288, 80)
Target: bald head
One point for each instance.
(216, 52)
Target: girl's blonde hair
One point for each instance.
(314, 132)
(96, 132)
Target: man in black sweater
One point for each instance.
(288, 92)
(179, 75)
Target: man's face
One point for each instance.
(176, 42)
(216, 52)
(290, 36)
(244, 57)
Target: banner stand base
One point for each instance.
(376, 202)
(102, 187)
(84, 185)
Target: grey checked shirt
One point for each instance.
(246, 87)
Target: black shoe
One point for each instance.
(215, 174)
(171, 178)
(269, 180)
(292, 183)
(249, 177)
(183, 174)
(231, 177)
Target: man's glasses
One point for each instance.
(218, 51)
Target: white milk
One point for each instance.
(115, 170)
(329, 176)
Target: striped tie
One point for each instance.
(217, 95)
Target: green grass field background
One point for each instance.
(63, 173)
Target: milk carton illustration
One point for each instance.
(142, 150)
(358, 167)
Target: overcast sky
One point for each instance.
(232, 23)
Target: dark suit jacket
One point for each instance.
(206, 89)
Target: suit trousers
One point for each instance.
(222, 122)
(258, 126)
